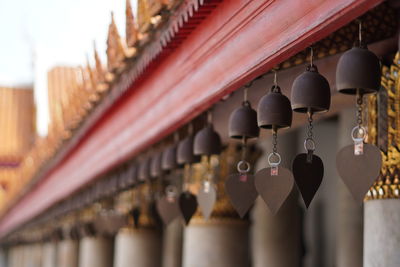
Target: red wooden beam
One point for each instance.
(240, 40)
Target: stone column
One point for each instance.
(95, 251)
(68, 250)
(3, 257)
(382, 233)
(349, 248)
(223, 240)
(36, 256)
(172, 244)
(138, 243)
(276, 240)
(137, 247)
(49, 254)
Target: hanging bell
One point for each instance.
(168, 161)
(274, 110)
(155, 165)
(311, 92)
(243, 122)
(184, 153)
(358, 69)
(207, 142)
(144, 170)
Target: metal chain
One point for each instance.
(274, 142)
(244, 147)
(310, 126)
(359, 103)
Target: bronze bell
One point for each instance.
(168, 160)
(207, 142)
(243, 122)
(274, 110)
(311, 92)
(144, 170)
(155, 165)
(358, 69)
(184, 152)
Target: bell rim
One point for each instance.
(353, 91)
(238, 136)
(272, 126)
(301, 109)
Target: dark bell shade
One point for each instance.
(144, 170)
(274, 111)
(155, 165)
(184, 153)
(311, 92)
(358, 68)
(207, 142)
(131, 177)
(243, 122)
(168, 161)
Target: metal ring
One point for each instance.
(241, 163)
(358, 128)
(171, 191)
(274, 163)
(309, 144)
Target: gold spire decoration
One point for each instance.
(99, 73)
(115, 49)
(144, 16)
(130, 31)
(130, 27)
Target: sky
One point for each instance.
(36, 35)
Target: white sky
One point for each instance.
(50, 33)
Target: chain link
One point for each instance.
(244, 148)
(274, 142)
(359, 109)
(310, 127)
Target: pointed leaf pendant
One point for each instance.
(241, 191)
(308, 176)
(359, 172)
(274, 189)
(168, 209)
(206, 198)
(187, 205)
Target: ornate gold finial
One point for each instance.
(115, 49)
(144, 16)
(130, 30)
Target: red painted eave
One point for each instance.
(238, 41)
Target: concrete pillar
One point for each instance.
(68, 250)
(3, 257)
(137, 247)
(216, 243)
(49, 254)
(349, 248)
(36, 255)
(95, 251)
(172, 244)
(223, 240)
(13, 257)
(382, 233)
(276, 240)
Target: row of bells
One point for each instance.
(358, 71)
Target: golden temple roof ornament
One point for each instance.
(99, 73)
(131, 30)
(115, 49)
